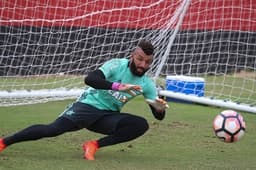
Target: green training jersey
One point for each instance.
(117, 70)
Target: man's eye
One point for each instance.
(139, 59)
(148, 62)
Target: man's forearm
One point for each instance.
(96, 79)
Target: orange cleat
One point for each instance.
(90, 149)
(2, 145)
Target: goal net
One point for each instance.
(47, 47)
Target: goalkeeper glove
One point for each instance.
(158, 103)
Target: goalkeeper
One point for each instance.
(98, 108)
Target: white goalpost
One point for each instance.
(47, 47)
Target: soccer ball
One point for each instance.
(229, 126)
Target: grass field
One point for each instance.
(183, 140)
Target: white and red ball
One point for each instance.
(229, 126)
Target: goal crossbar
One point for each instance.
(208, 101)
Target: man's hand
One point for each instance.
(129, 88)
(159, 104)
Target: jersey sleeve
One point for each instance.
(149, 90)
(110, 67)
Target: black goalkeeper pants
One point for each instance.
(118, 128)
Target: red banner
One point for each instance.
(149, 14)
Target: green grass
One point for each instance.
(41, 82)
(183, 140)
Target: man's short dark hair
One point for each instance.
(146, 46)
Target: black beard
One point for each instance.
(134, 71)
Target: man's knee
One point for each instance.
(140, 124)
(144, 125)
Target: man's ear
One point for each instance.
(132, 55)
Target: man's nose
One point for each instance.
(142, 64)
